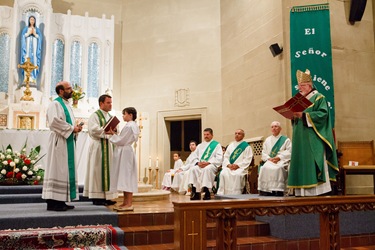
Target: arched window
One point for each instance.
(76, 63)
(93, 70)
(4, 61)
(57, 64)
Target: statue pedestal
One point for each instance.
(26, 115)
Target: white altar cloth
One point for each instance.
(33, 138)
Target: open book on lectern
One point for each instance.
(297, 103)
(111, 123)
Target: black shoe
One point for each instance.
(99, 202)
(109, 202)
(262, 193)
(54, 205)
(69, 206)
(194, 194)
(278, 193)
(207, 194)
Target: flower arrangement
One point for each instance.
(19, 167)
(77, 94)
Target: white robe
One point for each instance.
(274, 177)
(167, 180)
(233, 181)
(204, 177)
(56, 177)
(124, 174)
(93, 180)
(180, 179)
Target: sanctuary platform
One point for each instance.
(226, 222)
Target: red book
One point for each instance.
(297, 103)
(111, 123)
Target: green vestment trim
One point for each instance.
(105, 154)
(70, 149)
(238, 151)
(275, 149)
(209, 150)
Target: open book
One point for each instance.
(111, 123)
(297, 103)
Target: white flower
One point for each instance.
(15, 152)
(36, 157)
(9, 156)
(3, 171)
(30, 172)
(36, 168)
(17, 161)
(24, 176)
(24, 150)
(9, 150)
(16, 170)
(2, 156)
(32, 161)
(38, 177)
(12, 164)
(5, 163)
(18, 154)
(24, 168)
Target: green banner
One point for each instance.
(310, 48)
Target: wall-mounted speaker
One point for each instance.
(357, 8)
(276, 49)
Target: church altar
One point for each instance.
(17, 139)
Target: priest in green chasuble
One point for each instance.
(314, 160)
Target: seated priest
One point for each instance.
(167, 180)
(207, 158)
(276, 154)
(182, 172)
(237, 159)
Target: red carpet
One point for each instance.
(78, 237)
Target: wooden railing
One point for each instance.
(190, 218)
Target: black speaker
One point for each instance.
(276, 49)
(357, 8)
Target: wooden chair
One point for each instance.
(360, 151)
(256, 144)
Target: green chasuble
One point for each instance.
(310, 143)
(70, 150)
(105, 155)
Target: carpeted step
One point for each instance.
(28, 198)
(26, 189)
(33, 215)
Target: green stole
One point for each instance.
(276, 148)
(238, 151)
(105, 154)
(209, 150)
(70, 150)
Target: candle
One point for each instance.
(149, 162)
(157, 162)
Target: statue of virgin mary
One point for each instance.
(31, 46)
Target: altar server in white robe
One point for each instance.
(167, 179)
(60, 178)
(276, 155)
(124, 174)
(180, 179)
(237, 159)
(208, 157)
(99, 164)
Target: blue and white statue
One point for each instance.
(31, 46)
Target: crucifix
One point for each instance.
(27, 67)
(192, 234)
